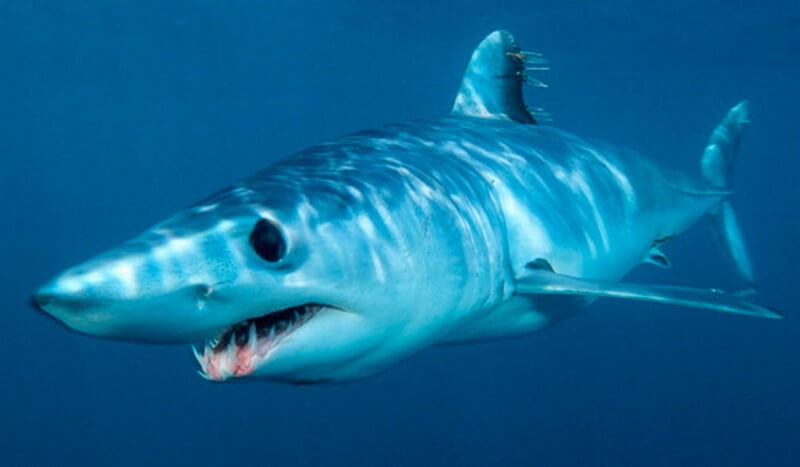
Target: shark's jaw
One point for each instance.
(246, 346)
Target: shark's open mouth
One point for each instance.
(244, 345)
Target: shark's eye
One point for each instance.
(267, 240)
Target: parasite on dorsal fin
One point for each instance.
(492, 83)
(540, 114)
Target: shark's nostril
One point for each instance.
(204, 291)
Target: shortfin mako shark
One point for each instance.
(337, 262)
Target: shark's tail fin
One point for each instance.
(717, 165)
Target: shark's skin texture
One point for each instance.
(402, 237)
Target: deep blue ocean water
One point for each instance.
(115, 114)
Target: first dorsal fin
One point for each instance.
(492, 84)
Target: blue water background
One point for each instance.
(115, 114)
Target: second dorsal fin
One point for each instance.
(492, 83)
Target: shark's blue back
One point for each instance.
(595, 209)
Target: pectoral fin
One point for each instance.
(657, 257)
(540, 279)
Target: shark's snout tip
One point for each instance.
(52, 298)
(35, 302)
(43, 301)
(42, 297)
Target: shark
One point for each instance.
(337, 262)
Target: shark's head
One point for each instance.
(287, 286)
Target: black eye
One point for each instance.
(267, 241)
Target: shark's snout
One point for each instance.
(41, 299)
(45, 301)
(120, 294)
(71, 299)
(53, 301)
(87, 286)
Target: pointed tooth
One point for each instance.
(200, 359)
(272, 332)
(197, 355)
(211, 343)
(251, 337)
(223, 367)
(205, 376)
(230, 351)
(296, 315)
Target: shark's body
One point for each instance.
(466, 203)
(337, 262)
